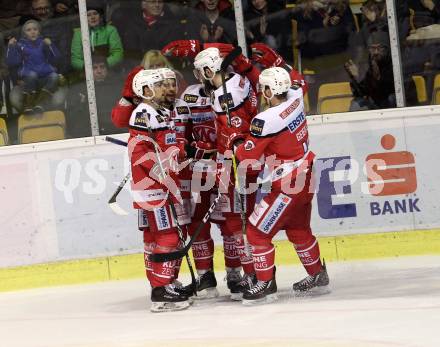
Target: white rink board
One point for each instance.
(54, 195)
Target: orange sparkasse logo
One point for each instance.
(391, 173)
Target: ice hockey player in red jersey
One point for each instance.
(152, 134)
(242, 106)
(280, 136)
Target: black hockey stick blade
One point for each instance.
(113, 204)
(180, 253)
(230, 58)
(116, 141)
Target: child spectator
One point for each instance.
(34, 56)
(104, 39)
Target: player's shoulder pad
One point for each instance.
(144, 116)
(192, 94)
(182, 108)
(238, 89)
(287, 116)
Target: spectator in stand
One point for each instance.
(35, 57)
(154, 59)
(104, 39)
(58, 30)
(107, 86)
(215, 21)
(150, 26)
(11, 12)
(266, 22)
(65, 7)
(324, 26)
(427, 12)
(376, 89)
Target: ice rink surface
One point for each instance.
(392, 302)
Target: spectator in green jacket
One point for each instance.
(104, 39)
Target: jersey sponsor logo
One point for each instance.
(274, 214)
(141, 118)
(236, 122)
(292, 107)
(293, 125)
(182, 110)
(257, 126)
(161, 217)
(302, 133)
(249, 145)
(190, 98)
(226, 101)
(160, 118)
(142, 219)
(170, 139)
(180, 129)
(258, 212)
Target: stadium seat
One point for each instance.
(334, 97)
(3, 133)
(436, 90)
(47, 127)
(422, 96)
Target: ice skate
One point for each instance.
(247, 282)
(184, 290)
(166, 298)
(233, 278)
(206, 286)
(317, 284)
(262, 292)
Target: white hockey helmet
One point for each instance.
(146, 78)
(167, 73)
(276, 79)
(208, 58)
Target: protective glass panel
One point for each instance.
(341, 47)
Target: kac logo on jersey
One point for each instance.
(293, 125)
(236, 122)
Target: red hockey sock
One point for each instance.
(232, 259)
(309, 255)
(203, 254)
(264, 262)
(245, 257)
(148, 249)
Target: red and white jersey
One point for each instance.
(242, 102)
(146, 187)
(202, 118)
(181, 115)
(281, 132)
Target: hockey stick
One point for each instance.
(162, 257)
(225, 64)
(170, 202)
(113, 204)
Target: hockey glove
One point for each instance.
(201, 150)
(182, 48)
(234, 140)
(127, 90)
(266, 56)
